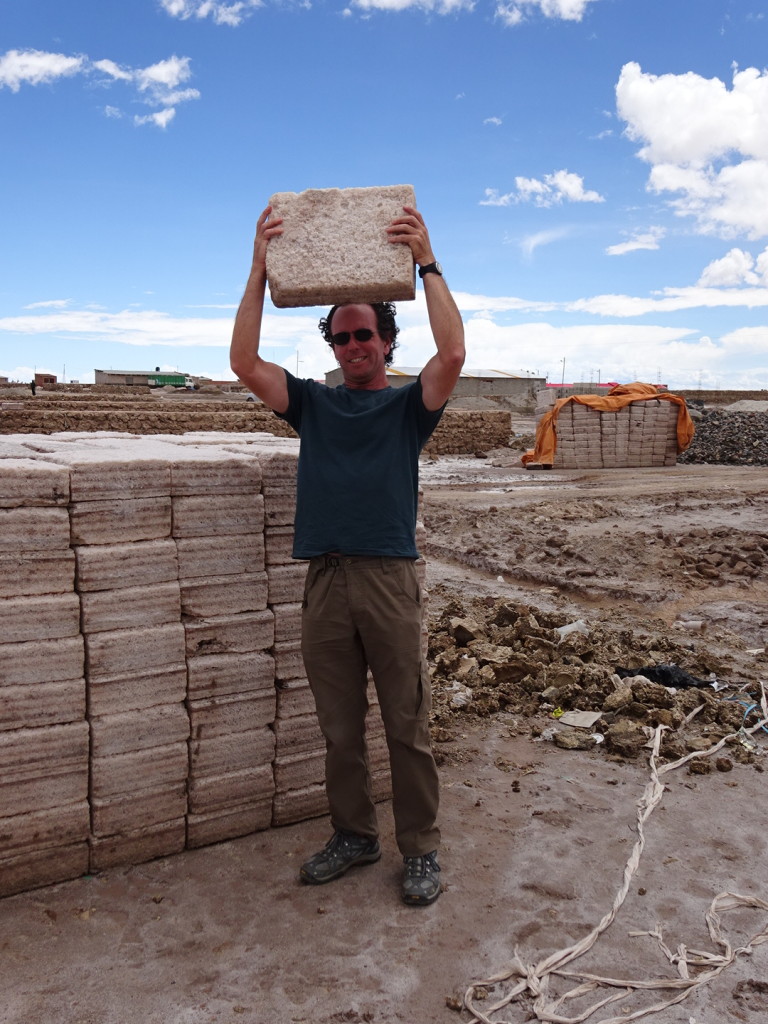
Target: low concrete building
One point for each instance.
(514, 389)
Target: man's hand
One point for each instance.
(265, 229)
(411, 230)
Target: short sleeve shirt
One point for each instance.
(358, 473)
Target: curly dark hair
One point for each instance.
(385, 325)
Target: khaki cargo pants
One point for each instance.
(360, 612)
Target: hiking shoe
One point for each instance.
(421, 880)
(342, 851)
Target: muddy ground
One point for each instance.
(661, 567)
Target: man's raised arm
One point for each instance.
(267, 380)
(439, 376)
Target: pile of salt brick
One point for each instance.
(643, 433)
(152, 691)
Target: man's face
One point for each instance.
(361, 362)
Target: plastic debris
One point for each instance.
(665, 675)
(579, 626)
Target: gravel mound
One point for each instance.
(730, 438)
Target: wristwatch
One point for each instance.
(431, 268)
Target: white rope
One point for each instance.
(534, 978)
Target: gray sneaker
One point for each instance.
(342, 851)
(421, 880)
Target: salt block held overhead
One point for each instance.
(334, 247)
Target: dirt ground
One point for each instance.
(661, 566)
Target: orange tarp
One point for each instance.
(617, 398)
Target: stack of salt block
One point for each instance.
(218, 527)
(127, 576)
(643, 433)
(44, 818)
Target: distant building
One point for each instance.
(149, 378)
(41, 379)
(471, 383)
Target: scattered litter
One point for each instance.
(580, 719)
(666, 675)
(579, 626)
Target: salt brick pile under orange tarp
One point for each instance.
(617, 398)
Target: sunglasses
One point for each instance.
(361, 334)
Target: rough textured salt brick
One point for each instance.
(217, 516)
(289, 663)
(215, 826)
(297, 771)
(295, 697)
(130, 607)
(39, 661)
(42, 829)
(219, 755)
(38, 704)
(218, 674)
(110, 567)
(127, 731)
(119, 521)
(201, 472)
(286, 582)
(334, 247)
(220, 556)
(278, 472)
(138, 845)
(103, 474)
(138, 808)
(278, 542)
(152, 768)
(280, 509)
(230, 789)
(233, 713)
(122, 652)
(42, 768)
(299, 804)
(224, 595)
(27, 574)
(43, 867)
(45, 617)
(137, 691)
(31, 482)
(298, 735)
(230, 634)
(381, 786)
(48, 526)
(287, 621)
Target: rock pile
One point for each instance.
(730, 438)
(490, 655)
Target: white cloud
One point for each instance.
(49, 304)
(160, 118)
(157, 85)
(640, 240)
(35, 67)
(530, 243)
(736, 268)
(704, 141)
(496, 121)
(514, 12)
(232, 14)
(433, 6)
(551, 191)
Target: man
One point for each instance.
(355, 522)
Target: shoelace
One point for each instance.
(418, 867)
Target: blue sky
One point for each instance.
(594, 175)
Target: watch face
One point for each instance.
(439, 269)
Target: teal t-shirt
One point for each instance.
(358, 473)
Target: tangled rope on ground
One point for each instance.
(534, 978)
